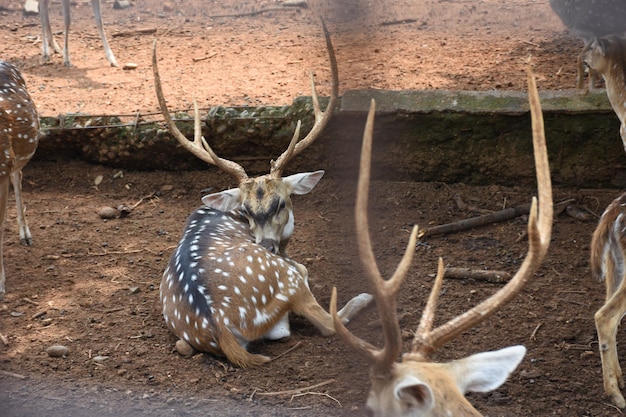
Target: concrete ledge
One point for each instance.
(470, 137)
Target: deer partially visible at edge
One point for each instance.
(417, 386)
(229, 281)
(608, 57)
(48, 42)
(19, 136)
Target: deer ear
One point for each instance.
(414, 395)
(486, 371)
(226, 200)
(303, 183)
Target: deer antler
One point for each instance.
(199, 147)
(426, 340)
(384, 290)
(321, 118)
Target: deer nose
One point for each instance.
(270, 244)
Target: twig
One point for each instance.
(315, 393)
(204, 57)
(7, 373)
(497, 277)
(253, 13)
(135, 32)
(297, 345)
(29, 301)
(142, 199)
(533, 335)
(398, 22)
(297, 390)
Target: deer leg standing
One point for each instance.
(4, 196)
(95, 4)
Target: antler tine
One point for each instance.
(198, 146)
(428, 315)
(321, 118)
(384, 291)
(539, 233)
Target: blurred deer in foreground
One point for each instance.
(608, 263)
(228, 282)
(265, 201)
(19, 135)
(608, 57)
(48, 42)
(417, 386)
(588, 20)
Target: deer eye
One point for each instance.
(281, 206)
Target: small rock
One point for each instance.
(57, 351)
(99, 358)
(124, 210)
(121, 4)
(31, 7)
(108, 212)
(133, 290)
(129, 66)
(184, 349)
(167, 187)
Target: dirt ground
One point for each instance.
(92, 285)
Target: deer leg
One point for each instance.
(25, 236)
(280, 331)
(66, 24)
(236, 353)
(4, 194)
(309, 308)
(607, 321)
(95, 4)
(47, 40)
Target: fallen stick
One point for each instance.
(7, 373)
(497, 277)
(297, 390)
(471, 223)
(135, 32)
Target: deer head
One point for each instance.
(265, 201)
(416, 386)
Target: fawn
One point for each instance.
(608, 57)
(19, 135)
(588, 20)
(229, 281)
(416, 386)
(48, 42)
(608, 249)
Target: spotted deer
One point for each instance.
(265, 201)
(19, 135)
(589, 20)
(229, 281)
(607, 56)
(417, 386)
(608, 255)
(48, 42)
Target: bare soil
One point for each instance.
(92, 284)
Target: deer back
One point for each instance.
(219, 280)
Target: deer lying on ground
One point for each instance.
(607, 56)
(417, 386)
(19, 135)
(48, 42)
(608, 255)
(589, 20)
(229, 281)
